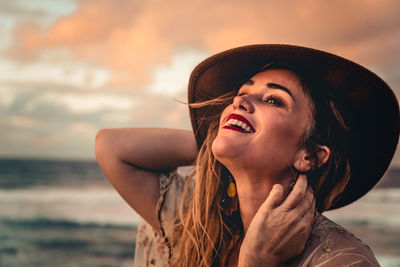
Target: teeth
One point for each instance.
(240, 124)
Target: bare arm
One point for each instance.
(131, 158)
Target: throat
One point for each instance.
(251, 196)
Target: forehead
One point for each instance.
(283, 76)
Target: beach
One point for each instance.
(64, 213)
(59, 213)
(62, 243)
(375, 219)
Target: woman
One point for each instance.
(284, 133)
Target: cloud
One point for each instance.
(172, 78)
(16, 8)
(73, 67)
(41, 13)
(53, 106)
(58, 121)
(21, 121)
(133, 37)
(62, 72)
(86, 103)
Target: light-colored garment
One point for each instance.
(329, 245)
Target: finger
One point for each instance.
(274, 198)
(309, 216)
(314, 214)
(307, 220)
(309, 207)
(307, 204)
(297, 194)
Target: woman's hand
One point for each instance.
(280, 228)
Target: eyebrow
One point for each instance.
(249, 82)
(272, 86)
(278, 86)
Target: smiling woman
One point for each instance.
(281, 134)
(279, 120)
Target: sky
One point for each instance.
(69, 68)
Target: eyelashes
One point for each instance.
(271, 99)
(274, 101)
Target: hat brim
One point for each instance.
(372, 115)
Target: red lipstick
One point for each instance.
(239, 123)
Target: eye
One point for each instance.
(274, 101)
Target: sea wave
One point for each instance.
(102, 205)
(380, 207)
(46, 242)
(388, 261)
(45, 223)
(80, 205)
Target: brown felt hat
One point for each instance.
(371, 112)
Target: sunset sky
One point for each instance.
(71, 67)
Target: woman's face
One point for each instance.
(262, 129)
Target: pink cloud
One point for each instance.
(132, 37)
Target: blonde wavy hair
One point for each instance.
(204, 236)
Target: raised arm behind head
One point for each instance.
(132, 158)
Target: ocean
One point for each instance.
(62, 213)
(65, 213)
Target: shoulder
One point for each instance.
(332, 245)
(151, 248)
(172, 190)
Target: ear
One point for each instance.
(305, 162)
(323, 155)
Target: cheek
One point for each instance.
(225, 113)
(291, 131)
(220, 142)
(284, 134)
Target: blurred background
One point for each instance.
(71, 67)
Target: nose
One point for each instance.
(243, 103)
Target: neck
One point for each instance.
(253, 191)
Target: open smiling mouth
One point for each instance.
(238, 123)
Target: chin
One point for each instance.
(220, 148)
(217, 148)
(224, 151)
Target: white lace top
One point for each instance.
(329, 245)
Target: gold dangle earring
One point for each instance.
(230, 204)
(231, 190)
